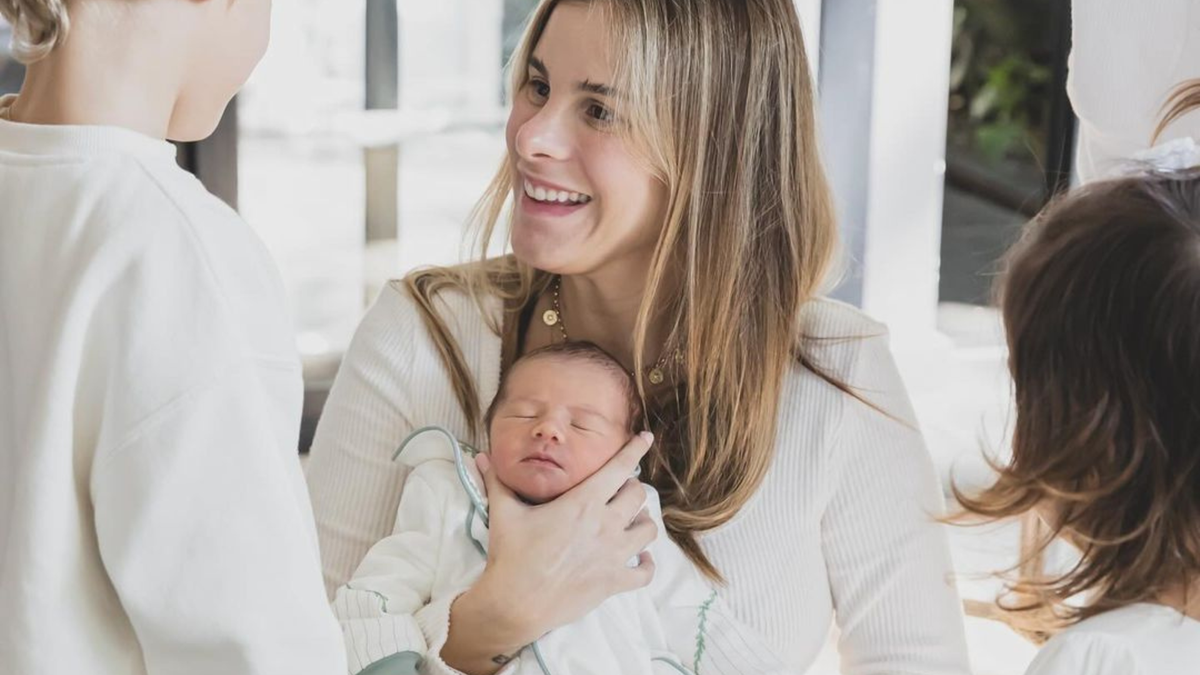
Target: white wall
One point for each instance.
(810, 22)
(907, 164)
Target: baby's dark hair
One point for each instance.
(581, 350)
(1101, 305)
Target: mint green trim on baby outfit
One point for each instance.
(700, 632)
(403, 663)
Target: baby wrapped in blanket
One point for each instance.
(561, 413)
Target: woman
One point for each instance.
(668, 205)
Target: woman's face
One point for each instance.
(582, 198)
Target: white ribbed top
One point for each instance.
(842, 528)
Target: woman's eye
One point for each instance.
(538, 89)
(599, 113)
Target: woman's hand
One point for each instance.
(550, 564)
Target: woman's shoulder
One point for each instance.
(839, 343)
(845, 377)
(400, 345)
(399, 320)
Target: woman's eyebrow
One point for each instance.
(586, 85)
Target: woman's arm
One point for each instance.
(887, 556)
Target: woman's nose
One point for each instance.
(544, 136)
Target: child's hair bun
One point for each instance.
(38, 26)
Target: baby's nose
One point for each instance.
(547, 431)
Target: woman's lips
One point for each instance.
(533, 207)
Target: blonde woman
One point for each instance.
(667, 203)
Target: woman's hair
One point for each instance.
(1183, 99)
(1101, 304)
(586, 352)
(719, 102)
(38, 26)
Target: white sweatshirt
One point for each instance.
(1140, 639)
(843, 526)
(1126, 58)
(153, 515)
(396, 608)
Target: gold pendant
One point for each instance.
(550, 317)
(656, 376)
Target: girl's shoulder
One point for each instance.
(1139, 638)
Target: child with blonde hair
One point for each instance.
(153, 516)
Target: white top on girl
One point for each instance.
(153, 516)
(1142, 639)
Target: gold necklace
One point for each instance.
(554, 317)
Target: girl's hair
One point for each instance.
(38, 26)
(1101, 304)
(586, 352)
(749, 236)
(1184, 99)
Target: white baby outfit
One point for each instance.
(395, 609)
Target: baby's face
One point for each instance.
(559, 421)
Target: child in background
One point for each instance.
(1101, 304)
(153, 515)
(562, 412)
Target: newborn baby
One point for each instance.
(561, 413)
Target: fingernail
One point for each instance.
(482, 462)
(648, 437)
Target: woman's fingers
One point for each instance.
(602, 485)
(561, 559)
(642, 531)
(628, 502)
(633, 578)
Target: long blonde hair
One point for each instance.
(719, 103)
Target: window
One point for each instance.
(11, 72)
(1010, 133)
(363, 140)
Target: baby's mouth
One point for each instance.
(543, 459)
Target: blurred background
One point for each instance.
(372, 126)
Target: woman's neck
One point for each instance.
(603, 308)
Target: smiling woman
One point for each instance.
(664, 196)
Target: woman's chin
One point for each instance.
(537, 254)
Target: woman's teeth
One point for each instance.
(541, 194)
